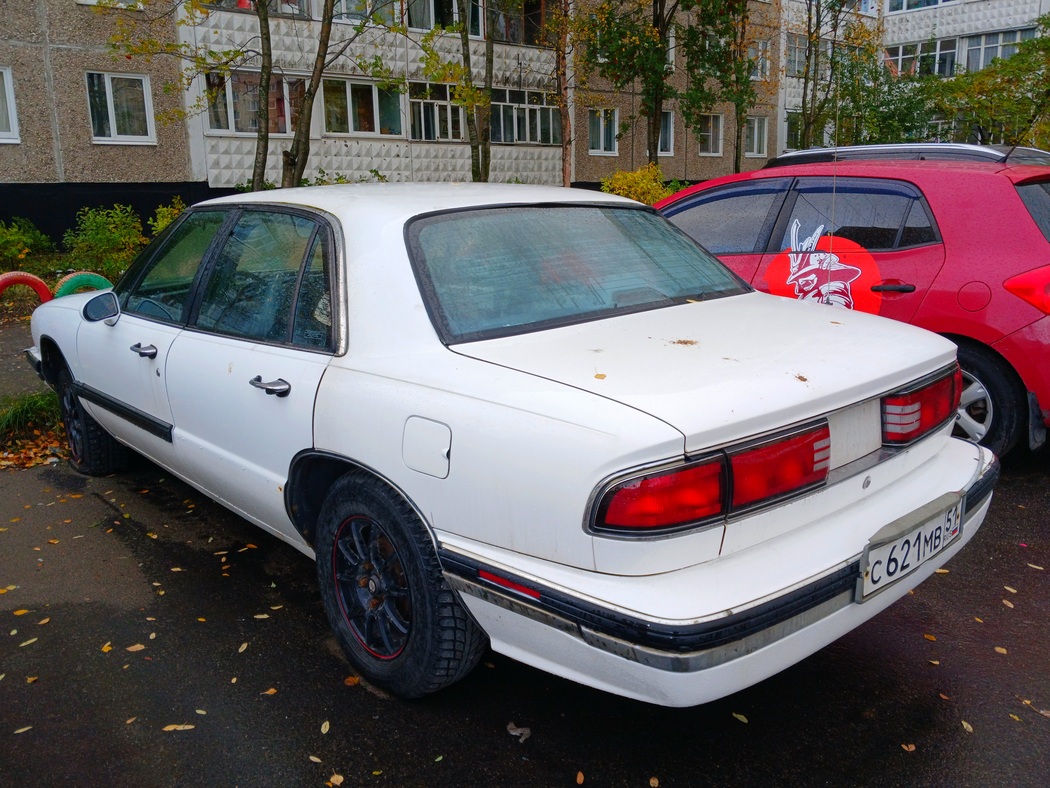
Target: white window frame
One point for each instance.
(376, 111)
(981, 46)
(713, 119)
(229, 105)
(670, 51)
(114, 138)
(7, 87)
(437, 105)
(301, 8)
(525, 111)
(756, 134)
(606, 117)
(904, 6)
(758, 53)
(666, 143)
(356, 11)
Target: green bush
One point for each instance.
(105, 240)
(20, 239)
(644, 185)
(166, 214)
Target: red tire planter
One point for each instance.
(29, 280)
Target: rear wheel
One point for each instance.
(400, 624)
(92, 450)
(993, 408)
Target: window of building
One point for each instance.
(8, 116)
(669, 50)
(794, 131)
(982, 50)
(602, 129)
(290, 7)
(758, 54)
(525, 116)
(929, 57)
(121, 108)
(237, 97)
(666, 134)
(755, 136)
(913, 5)
(709, 135)
(360, 108)
(519, 21)
(432, 114)
(798, 48)
(386, 11)
(428, 14)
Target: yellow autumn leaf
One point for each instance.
(130, 720)
(201, 711)
(168, 728)
(579, 778)
(244, 645)
(31, 640)
(43, 621)
(325, 726)
(106, 648)
(1011, 590)
(21, 612)
(336, 779)
(967, 726)
(136, 647)
(908, 747)
(599, 376)
(935, 662)
(740, 717)
(931, 638)
(271, 691)
(260, 615)
(978, 620)
(315, 759)
(351, 681)
(1034, 566)
(1008, 603)
(1000, 650)
(1015, 718)
(31, 679)
(939, 572)
(52, 541)
(23, 730)
(654, 783)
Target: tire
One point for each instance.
(92, 450)
(81, 280)
(38, 285)
(400, 624)
(993, 411)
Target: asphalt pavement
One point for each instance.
(150, 638)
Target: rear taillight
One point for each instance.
(1033, 287)
(911, 413)
(738, 478)
(780, 467)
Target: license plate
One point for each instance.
(887, 562)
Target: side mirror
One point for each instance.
(102, 307)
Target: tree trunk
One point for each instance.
(294, 158)
(262, 115)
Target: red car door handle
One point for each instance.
(145, 351)
(897, 288)
(279, 387)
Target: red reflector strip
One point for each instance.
(781, 467)
(509, 584)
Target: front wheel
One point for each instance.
(92, 450)
(993, 409)
(400, 624)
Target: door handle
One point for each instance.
(899, 288)
(279, 387)
(144, 351)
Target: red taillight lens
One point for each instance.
(666, 500)
(908, 415)
(1033, 287)
(780, 467)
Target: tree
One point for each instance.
(1008, 101)
(876, 103)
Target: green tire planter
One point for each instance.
(81, 280)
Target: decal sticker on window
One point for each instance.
(825, 269)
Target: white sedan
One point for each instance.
(535, 417)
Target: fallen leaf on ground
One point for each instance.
(325, 726)
(579, 778)
(130, 720)
(315, 759)
(23, 730)
(31, 640)
(967, 726)
(20, 612)
(178, 727)
(654, 783)
(243, 647)
(740, 717)
(1008, 603)
(931, 638)
(271, 691)
(1036, 567)
(908, 747)
(1011, 590)
(336, 779)
(136, 647)
(106, 648)
(940, 571)
(201, 711)
(31, 679)
(43, 621)
(1000, 650)
(260, 615)
(935, 662)
(351, 681)
(522, 733)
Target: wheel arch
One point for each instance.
(310, 477)
(51, 361)
(974, 344)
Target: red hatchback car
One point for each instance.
(959, 248)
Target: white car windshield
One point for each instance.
(498, 271)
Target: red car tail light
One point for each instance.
(780, 467)
(665, 500)
(1033, 287)
(740, 477)
(909, 414)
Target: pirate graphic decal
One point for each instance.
(819, 276)
(825, 269)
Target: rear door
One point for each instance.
(733, 222)
(862, 243)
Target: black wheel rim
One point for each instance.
(372, 587)
(71, 420)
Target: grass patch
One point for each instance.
(19, 416)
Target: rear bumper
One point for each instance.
(682, 663)
(33, 358)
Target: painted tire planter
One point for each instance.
(29, 280)
(81, 280)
